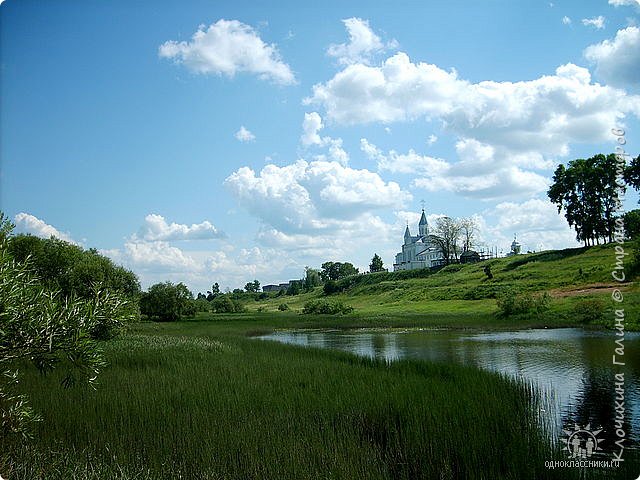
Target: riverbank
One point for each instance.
(577, 283)
(201, 400)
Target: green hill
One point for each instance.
(578, 282)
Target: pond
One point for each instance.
(571, 367)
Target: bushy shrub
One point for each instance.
(589, 310)
(513, 302)
(226, 304)
(283, 307)
(326, 307)
(167, 302)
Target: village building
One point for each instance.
(418, 251)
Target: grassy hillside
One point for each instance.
(572, 277)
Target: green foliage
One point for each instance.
(632, 224)
(589, 310)
(226, 304)
(326, 307)
(40, 325)
(252, 287)
(337, 270)
(588, 193)
(312, 279)
(376, 264)
(168, 302)
(295, 287)
(71, 269)
(283, 307)
(193, 402)
(513, 302)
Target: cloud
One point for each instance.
(543, 115)
(363, 43)
(535, 221)
(481, 172)
(245, 135)
(566, 20)
(596, 22)
(156, 228)
(156, 256)
(617, 61)
(620, 3)
(228, 47)
(312, 197)
(311, 125)
(432, 139)
(26, 223)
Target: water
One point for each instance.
(572, 367)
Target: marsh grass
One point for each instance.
(198, 401)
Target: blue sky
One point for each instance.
(120, 125)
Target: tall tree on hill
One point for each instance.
(632, 173)
(447, 238)
(587, 192)
(337, 270)
(376, 264)
(468, 230)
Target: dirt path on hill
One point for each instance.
(589, 289)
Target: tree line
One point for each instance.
(589, 191)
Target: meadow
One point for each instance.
(201, 400)
(463, 295)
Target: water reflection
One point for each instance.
(572, 367)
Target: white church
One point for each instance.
(418, 251)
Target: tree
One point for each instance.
(41, 325)
(632, 224)
(252, 287)
(632, 173)
(70, 268)
(588, 193)
(376, 264)
(447, 237)
(468, 230)
(167, 301)
(337, 270)
(312, 278)
(214, 292)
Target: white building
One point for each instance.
(419, 251)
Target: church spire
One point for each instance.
(423, 226)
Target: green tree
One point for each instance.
(632, 224)
(72, 269)
(587, 192)
(337, 270)
(252, 287)
(376, 264)
(42, 326)
(214, 292)
(312, 278)
(167, 302)
(632, 173)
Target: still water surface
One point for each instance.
(572, 367)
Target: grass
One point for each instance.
(459, 290)
(199, 400)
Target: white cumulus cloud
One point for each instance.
(617, 61)
(543, 115)
(620, 3)
(566, 20)
(244, 135)
(316, 196)
(27, 223)
(228, 47)
(363, 43)
(156, 228)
